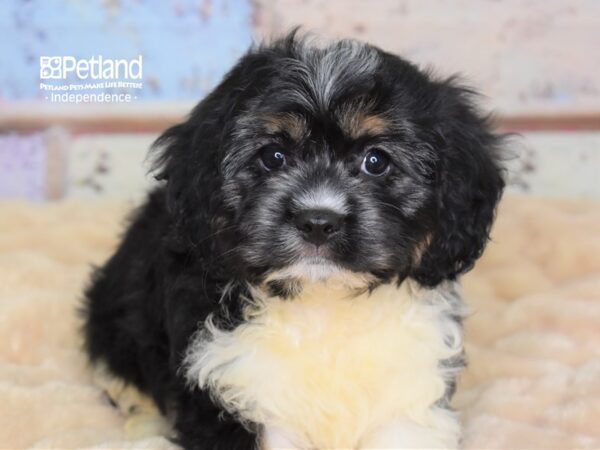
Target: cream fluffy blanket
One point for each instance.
(533, 338)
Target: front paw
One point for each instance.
(143, 425)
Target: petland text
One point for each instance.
(94, 68)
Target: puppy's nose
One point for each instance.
(318, 225)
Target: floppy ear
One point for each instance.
(468, 187)
(188, 156)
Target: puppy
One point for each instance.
(293, 282)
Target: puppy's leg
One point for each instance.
(143, 417)
(442, 433)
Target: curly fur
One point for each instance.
(218, 237)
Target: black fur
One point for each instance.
(221, 221)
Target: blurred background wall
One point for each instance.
(536, 61)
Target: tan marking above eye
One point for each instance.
(360, 125)
(373, 125)
(291, 124)
(355, 120)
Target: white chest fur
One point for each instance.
(331, 370)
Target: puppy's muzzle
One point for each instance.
(317, 226)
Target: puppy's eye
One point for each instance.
(272, 158)
(376, 163)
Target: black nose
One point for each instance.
(318, 225)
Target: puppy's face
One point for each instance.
(330, 176)
(340, 159)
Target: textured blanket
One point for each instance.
(533, 337)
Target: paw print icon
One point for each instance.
(50, 67)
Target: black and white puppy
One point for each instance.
(293, 283)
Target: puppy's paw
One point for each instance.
(144, 425)
(125, 397)
(143, 417)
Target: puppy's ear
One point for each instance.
(468, 184)
(188, 155)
